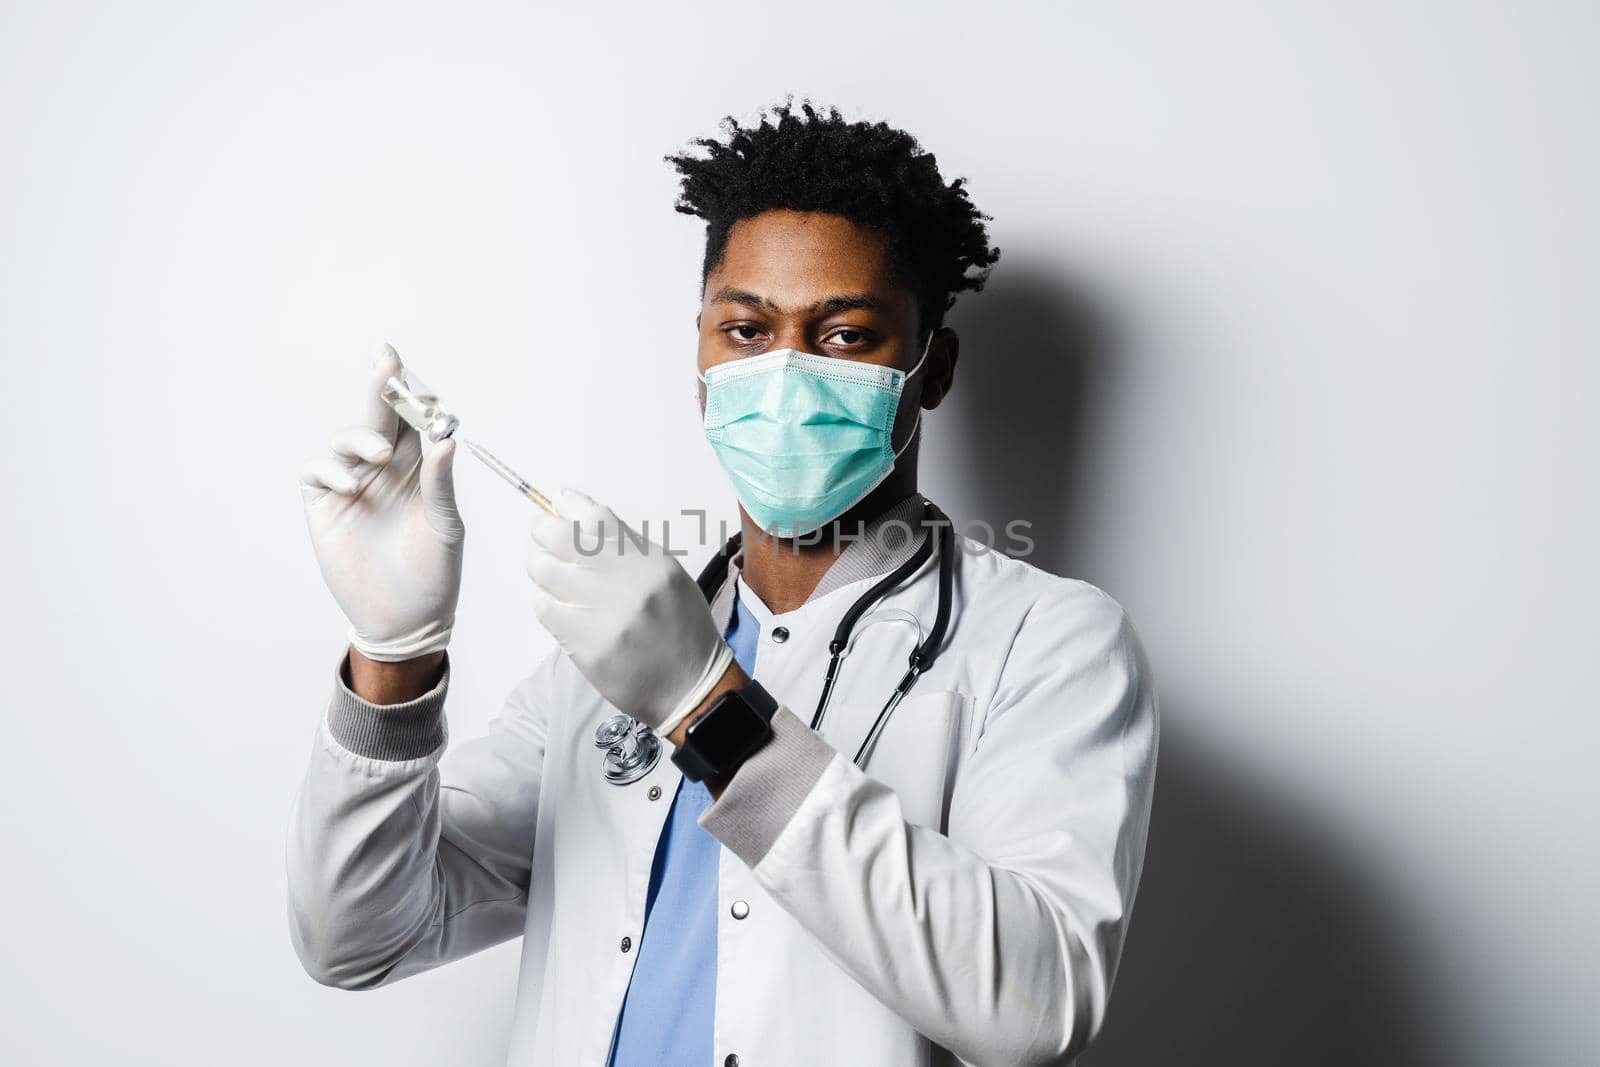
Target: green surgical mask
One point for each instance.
(804, 438)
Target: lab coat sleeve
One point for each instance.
(999, 941)
(401, 857)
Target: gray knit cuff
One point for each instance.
(768, 788)
(394, 732)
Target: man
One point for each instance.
(950, 879)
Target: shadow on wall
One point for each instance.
(1255, 941)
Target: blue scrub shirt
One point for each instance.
(670, 1007)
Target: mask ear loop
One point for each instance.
(917, 423)
(926, 348)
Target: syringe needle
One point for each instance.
(520, 483)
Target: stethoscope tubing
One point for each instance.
(922, 657)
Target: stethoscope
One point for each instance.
(632, 749)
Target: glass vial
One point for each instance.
(419, 405)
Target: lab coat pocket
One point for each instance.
(917, 753)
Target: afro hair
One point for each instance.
(874, 175)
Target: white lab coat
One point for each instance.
(963, 899)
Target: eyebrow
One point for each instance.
(850, 302)
(832, 305)
(745, 297)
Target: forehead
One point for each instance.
(795, 257)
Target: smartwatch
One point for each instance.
(730, 731)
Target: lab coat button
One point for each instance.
(740, 909)
(655, 792)
(731, 1061)
(627, 944)
(780, 634)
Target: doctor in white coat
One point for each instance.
(934, 862)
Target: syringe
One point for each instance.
(419, 406)
(520, 483)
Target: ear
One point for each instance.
(940, 375)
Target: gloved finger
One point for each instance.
(553, 615)
(582, 509)
(362, 443)
(596, 522)
(554, 576)
(559, 536)
(438, 490)
(407, 450)
(380, 417)
(328, 474)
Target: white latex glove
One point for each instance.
(385, 529)
(629, 615)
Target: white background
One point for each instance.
(1291, 349)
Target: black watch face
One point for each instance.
(725, 734)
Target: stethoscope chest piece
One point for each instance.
(631, 749)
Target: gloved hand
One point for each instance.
(385, 529)
(628, 615)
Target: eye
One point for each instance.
(847, 337)
(743, 332)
